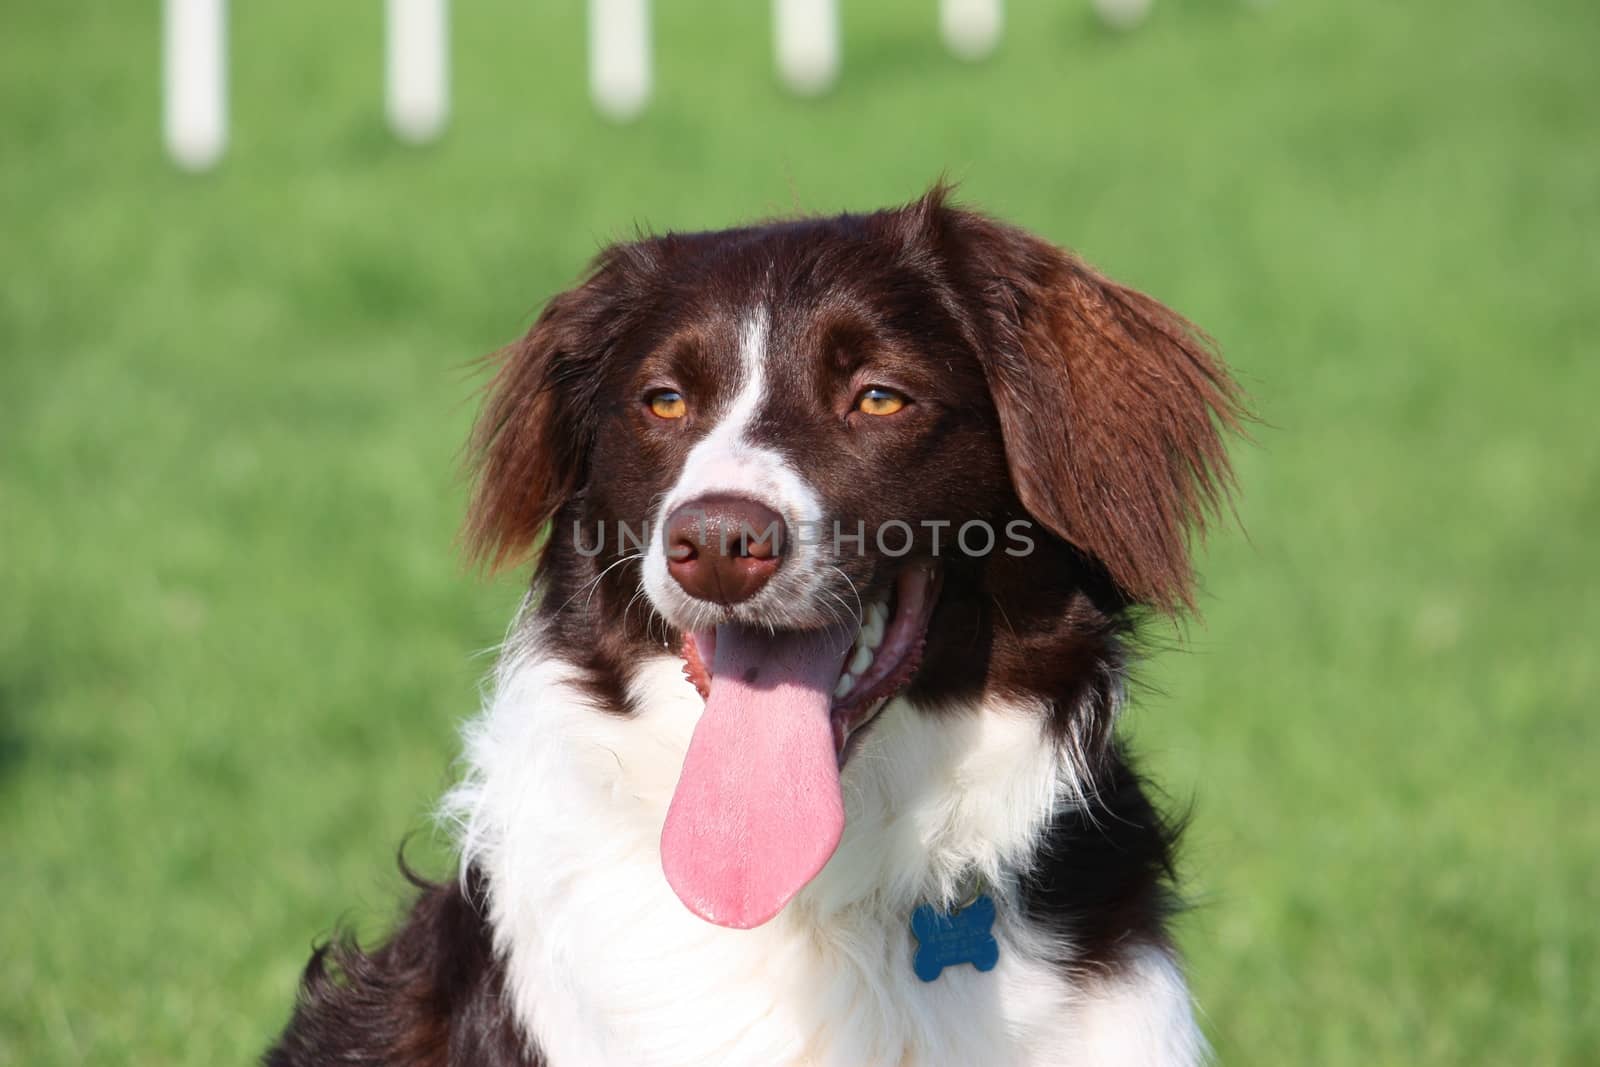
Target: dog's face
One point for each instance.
(838, 458)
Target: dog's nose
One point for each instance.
(723, 548)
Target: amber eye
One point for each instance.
(876, 400)
(667, 404)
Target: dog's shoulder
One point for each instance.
(430, 996)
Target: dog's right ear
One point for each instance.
(530, 447)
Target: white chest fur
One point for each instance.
(562, 810)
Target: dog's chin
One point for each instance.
(885, 649)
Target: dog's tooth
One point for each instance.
(845, 682)
(862, 660)
(871, 635)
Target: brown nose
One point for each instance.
(723, 548)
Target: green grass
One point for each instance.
(235, 640)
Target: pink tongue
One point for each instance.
(758, 809)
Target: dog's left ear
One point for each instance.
(1113, 407)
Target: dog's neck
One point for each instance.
(934, 798)
(562, 809)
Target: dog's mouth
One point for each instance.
(758, 809)
(882, 658)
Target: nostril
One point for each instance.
(681, 551)
(759, 544)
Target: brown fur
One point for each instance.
(429, 997)
(1112, 405)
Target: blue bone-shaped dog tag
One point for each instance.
(963, 936)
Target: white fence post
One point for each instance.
(417, 68)
(1122, 14)
(805, 36)
(195, 81)
(619, 56)
(971, 28)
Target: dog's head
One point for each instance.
(841, 458)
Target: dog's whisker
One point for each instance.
(594, 585)
(591, 585)
(856, 592)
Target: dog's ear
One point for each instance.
(1113, 407)
(529, 450)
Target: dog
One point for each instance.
(801, 748)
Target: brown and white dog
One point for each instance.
(843, 526)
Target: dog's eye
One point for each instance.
(667, 404)
(876, 400)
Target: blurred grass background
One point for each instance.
(235, 640)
